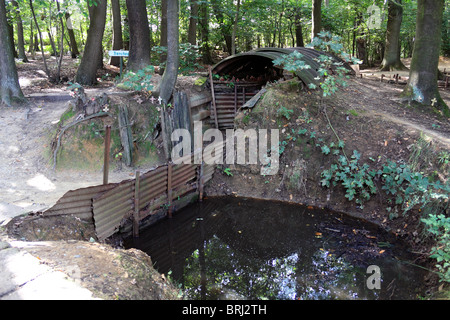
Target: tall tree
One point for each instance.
(61, 46)
(204, 33)
(316, 18)
(10, 92)
(391, 59)
(422, 84)
(117, 31)
(73, 42)
(20, 40)
(163, 36)
(192, 31)
(169, 78)
(298, 30)
(236, 21)
(40, 38)
(224, 27)
(87, 71)
(139, 35)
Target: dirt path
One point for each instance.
(382, 100)
(28, 182)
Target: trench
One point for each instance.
(230, 248)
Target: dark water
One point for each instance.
(236, 248)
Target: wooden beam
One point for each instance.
(213, 96)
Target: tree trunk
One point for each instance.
(117, 31)
(298, 31)
(87, 71)
(10, 92)
(47, 72)
(233, 36)
(422, 84)
(169, 77)
(204, 33)
(224, 29)
(163, 39)
(73, 43)
(61, 47)
(391, 59)
(140, 48)
(316, 18)
(11, 37)
(192, 32)
(20, 40)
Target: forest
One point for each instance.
(365, 131)
(378, 33)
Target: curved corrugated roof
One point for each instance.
(263, 57)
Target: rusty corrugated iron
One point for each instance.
(78, 202)
(111, 207)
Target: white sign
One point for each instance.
(118, 53)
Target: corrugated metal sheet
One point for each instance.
(262, 58)
(78, 202)
(111, 207)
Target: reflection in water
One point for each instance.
(235, 248)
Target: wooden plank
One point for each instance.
(213, 96)
(106, 155)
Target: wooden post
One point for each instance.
(200, 182)
(136, 206)
(235, 98)
(169, 189)
(381, 79)
(213, 99)
(106, 154)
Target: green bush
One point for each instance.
(139, 80)
(439, 227)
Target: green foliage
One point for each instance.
(227, 171)
(292, 62)
(409, 188)
(139, 80)
(285, 112)
(330, 81)
(356, 179)
(439, 227)
(188, 54)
